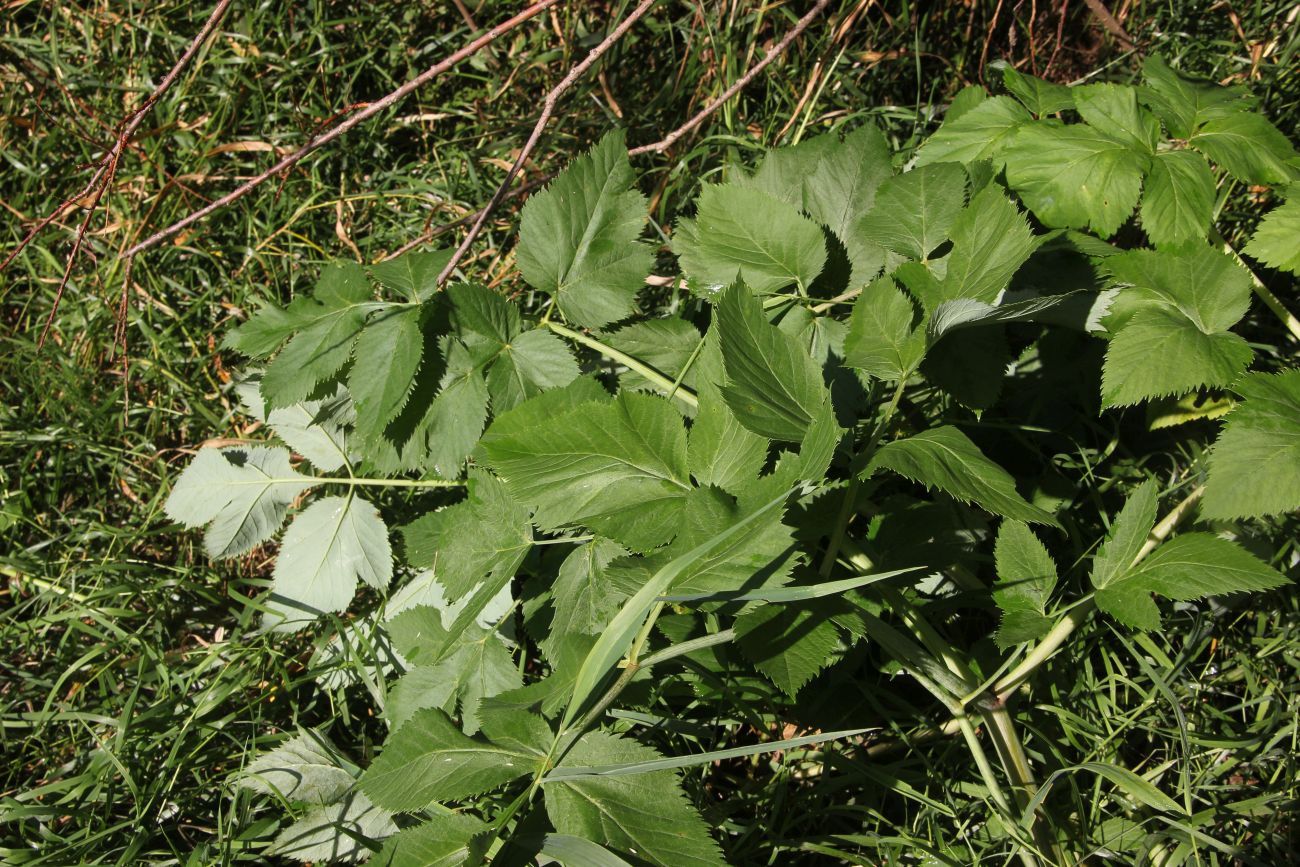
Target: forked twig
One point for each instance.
(772, 54)
(548, 109)
(326, 137)
(106, 168)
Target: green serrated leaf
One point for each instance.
(531, 363)
(387, 357)
(646, 815)
(1128, 535)
(843, 185)
(1026, 578)
(1160, 352)
(329, 545)
(1113, 111)
(413, 274)
(774, 387)
(667, 345)
(618, 468)
(741, 231)
(1274, 242)
(945, 458)
(1075, 177)
(720, 450)
(578, 237)
(1184, 103)
(447, 840)
(307, 768)
(1039, 96)
(582, 597)
(316, 429)
(338, 833)
(882, 340)
(788, 643)
(244, 493)
(1249, 147)
(914, 211)
(1255, 463)
(1189, 567)
(979, 134)
(429, 759)
(1178, 202)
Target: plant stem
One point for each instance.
(677, 390)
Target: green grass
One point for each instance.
(133, 680)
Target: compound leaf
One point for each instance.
(882, 340)
(914, 211)
(978, 134)
(331, 544)
(1178, 201)
(1274, 242)
(243, 492)
(744, 231)
(1248, 146)
(578, 237)
(387, 356)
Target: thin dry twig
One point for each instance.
(106, 168)
(1102, 14)
(326, 137)
(772, 54)
(548, 109)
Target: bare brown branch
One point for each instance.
(548, 109)
(775, 52)
(326, 137)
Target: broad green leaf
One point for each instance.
(388, 355)
(1039, 96)
(243, 492)
(763, 555)
(990, 241)
(783, 172)
(1249, 147)
(341, 292)
(881, 339)
(1075, 177)
(963, 313)
(746, 232)
(1178, 202)
(455, 419)
(720, 450)
(315, 429)
(413, 274)
(480, 314)
(1026, 578)
(979, 134)
(969, 365)
(445, 840)
(1274, 242)
(1128, 535)
(304, 769)
(647, 815)
(531, 363)
(582, 597)
(578, 237)
(617, 637)
(336, 833)
(1255, 464)
(945, 458)
(476, 665)
(914, 211)
(966, 99)
(1160, 352)
(843, 186)
(667, 345)
(1170, 324)
(1184, 103)
(775, 388)
(329, 545)
(1113, 110)
(618, 468)
(1189, 567)
(429, 759)
(486, 536)
(573, 851)
(788, 643)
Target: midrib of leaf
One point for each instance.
(324, 550)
